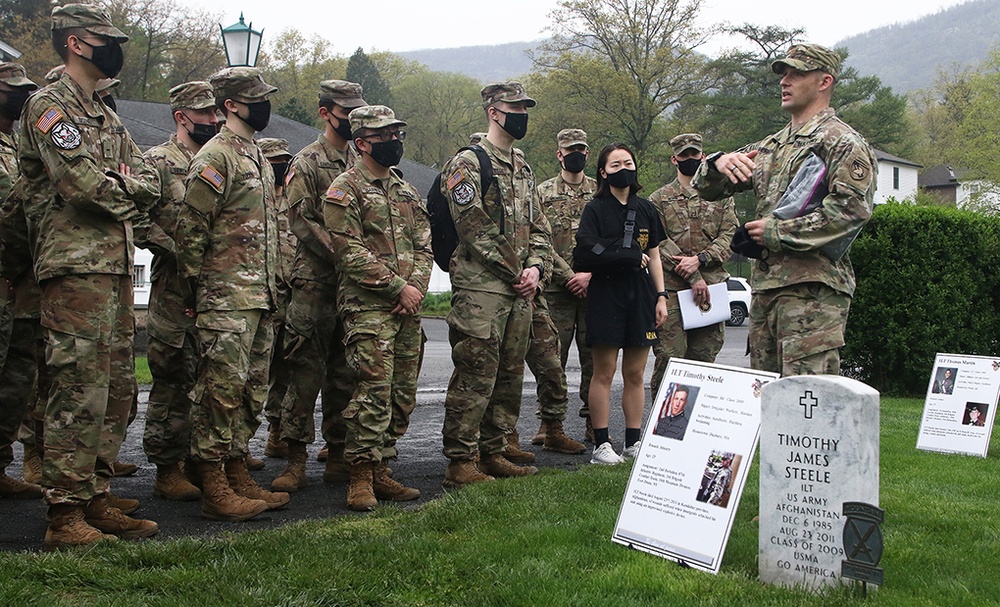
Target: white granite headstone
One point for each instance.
(819, 448)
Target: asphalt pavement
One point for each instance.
(421, 463)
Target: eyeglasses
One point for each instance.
(384, 136)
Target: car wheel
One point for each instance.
(737, 314)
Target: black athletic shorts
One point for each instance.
(621, 310)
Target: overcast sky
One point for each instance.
(405, 25)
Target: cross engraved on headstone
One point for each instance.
(808, 401)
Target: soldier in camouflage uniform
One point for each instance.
(173, 351)
(698, 236)
(276, 152)
(801, 294)
(83, 185)
(227, 254)
(562, 198)
(503, 242)
(381, 239)
(19, 336)
(314, 345)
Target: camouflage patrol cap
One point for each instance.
(194, 95)
(90, 17)
(808, 58)
(373, 117)
(273, 147)
(13, 74)
(686, 141)
(245, 82)
(571, 137)
(476, 138)
(55, 73)
(343, 93)
(511, 92)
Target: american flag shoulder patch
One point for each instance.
(455, 178)
(48, 119)
(212, 178)
(335, 193)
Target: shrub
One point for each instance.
(927, 283)
(436, 304)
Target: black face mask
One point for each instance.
(516, 125)
(11, 109)
(387, 153)
(109, 58)
(574, 162)
(688, 166)
(201, 133)
(260, 114)
(110, 102)
(279, 168)
(343, 127)
(622, 179)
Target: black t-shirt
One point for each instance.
(604, 218)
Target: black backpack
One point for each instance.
(444, 237)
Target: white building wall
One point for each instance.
(140, 277)
(907, 182)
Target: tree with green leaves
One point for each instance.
(296, 65)
(361, 69)
(442, 110)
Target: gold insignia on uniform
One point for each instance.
(650, 334)
(859, 169)
(455, 178)
(335, 193)
(643, 238)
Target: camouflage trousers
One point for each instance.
(89, 328)
(384, 352)
(701, 344)
(6, 319)
(569, 314)
(18, 397)
(232, 382)
(173, 362)
(798, 330)
(489, 336)
(279, 372)
(314, 353)
(543, 359)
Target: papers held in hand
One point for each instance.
(717, 310)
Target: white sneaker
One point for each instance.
(631, 452)
(605, 454)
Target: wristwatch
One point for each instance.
(663, 294)
(541, 270)
(711, 158)
(703, 258)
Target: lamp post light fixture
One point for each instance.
(242, 43)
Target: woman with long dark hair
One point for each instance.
(617, 240)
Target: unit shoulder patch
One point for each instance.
(463, 193)
(66, 136)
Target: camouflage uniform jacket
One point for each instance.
(8, 164)
(694, 225)
(171, 160)
(227, 233)
(563, 204)
(381, 238)
(286, 252)
(309, 177)
(500, 236)
(15, 261)
(794, 243)
(79, 207)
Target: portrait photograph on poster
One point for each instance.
(960, 405)
(685, 486)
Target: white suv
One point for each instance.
(739, 301)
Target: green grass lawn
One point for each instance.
(539, 541)
(142, 374)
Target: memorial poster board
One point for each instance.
(686, 483)
(961, 404)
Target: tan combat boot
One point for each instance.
(254, 463)
(337, 470)
(123, 468)
(32, 465)
(323, 453)
(556, 440)
(588, 433)
(361, 493)
(243, 484)
(513, 451)
(462, 472)
(539, 438)
(172, 484)
(294, 475)
(499, 466)
(275, 447)
(14, 489)
(126, 504)
(99, 515)
(218, 500)
(67, 528)
(388, 489)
